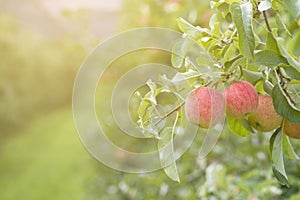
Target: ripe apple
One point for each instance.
(205, 106)
(241, 98)
(291, 129)
(265, 117)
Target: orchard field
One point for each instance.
(256, 43)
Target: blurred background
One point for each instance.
(42, 45)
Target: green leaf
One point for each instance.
(288, 148)
(152, 86)
(193, 32)
(294, 63)
(271, 43)
(252, 76)
(268, 87)
(228, 52)
(189, 48)
(279, 176)
(242, 61)
(144, 111)
(264, 5)
(293, 7)
(204, 59)
(284, 106)
(214, 25)
(281, 24)
(242, 17)
(269, 58)
(177, 54)
(276, 155)
(237, 127)
(182, 76)
(291, 71)
(146, 119)
(272, 139)
(166, 151)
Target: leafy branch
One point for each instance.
(170, 113)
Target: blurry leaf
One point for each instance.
(271, 43)
(268, 87)
(276, 155)
(293, 7)
(137, 95)
(282, 24)
(213, 19)
(166, 82)
(204, 58)
(269, 58)
(148, 112)
(143, 108)
(189, 48)
(272, 139)
(288, 148)
(246, 125)
(229, 63)
(284, 106)
(214, 25)
(193, 32)
(292, 44)
(229, 52)
(237, 127)
(211, 138)
(259, 86)
(291, 71)
(294, 63)
(177, 54)
(166, 151)
(185, 75)
(242, 17)
(145, 122)
(224, 9)
(152, 87)
(252, 76)
(216, 4)
(264, 5)
(241, 61)
(279, 176)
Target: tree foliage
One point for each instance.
(256, 41)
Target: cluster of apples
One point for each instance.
(206, 107)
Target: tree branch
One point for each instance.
(267, 21)
(170, 113)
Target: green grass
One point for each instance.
(46, 161)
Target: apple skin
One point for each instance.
(205, 106)
(265, 118)
(241, 98)
(291, 129)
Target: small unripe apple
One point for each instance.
(265, 118)
(291, 129)
(241, 98)
(205, 106)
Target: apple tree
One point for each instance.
(247, 69)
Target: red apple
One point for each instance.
(241, 99)
(205, 106)
(265, 117)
